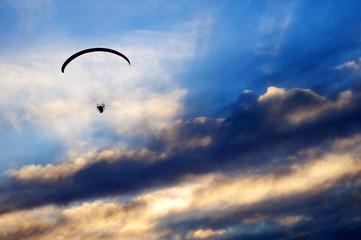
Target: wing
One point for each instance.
(89, 50)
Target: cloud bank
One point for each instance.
(209, 173)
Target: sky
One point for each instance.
(234, 120)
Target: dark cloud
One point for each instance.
(250, 136)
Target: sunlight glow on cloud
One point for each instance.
(309, 111)
(50, 172)
(203, 234)
(315, 176)
(195, 197)
(272, 92)
(171, 136)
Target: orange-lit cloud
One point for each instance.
(197, 196)
(204, 234)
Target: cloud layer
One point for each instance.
(201, 173)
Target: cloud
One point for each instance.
(187, 135)
(141, 99)
(30, 16)
(56, 102)
(153, 214)
(204, 234)
(318, 174)
(350, 65)
(275, 27)
(292, 220)
(195, 171)
(249, 137)
(97, 220)
(255, 218)
(50, 172)
(312, 106)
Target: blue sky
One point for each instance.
(235, 120)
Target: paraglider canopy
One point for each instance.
(89, 50)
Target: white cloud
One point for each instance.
(272, 92)
(140, 99)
